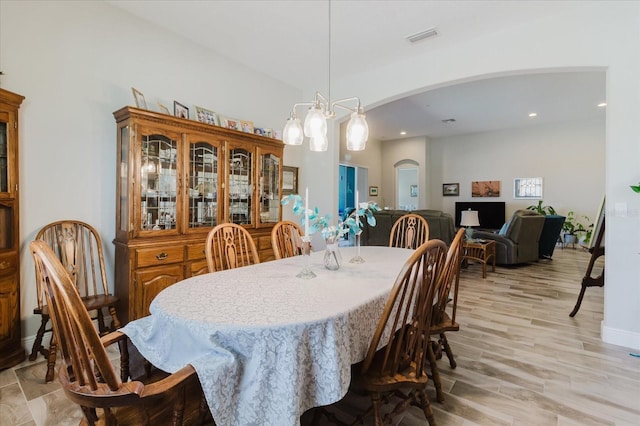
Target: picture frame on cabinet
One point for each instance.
(258, 131)
(207, 116)
(289, 180)
(138, 97)
(164, 109)
(180, 110)
(230, 123)
(246, 126)
(268, 132)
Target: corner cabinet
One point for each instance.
(176, 180)
(11, 350)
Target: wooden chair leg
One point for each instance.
(115, 321)
(377, 416)
(447, 349)
(178, 409)
(37, 344)
(51, 359)
(435, 375)
(426, 407)
(102, 328)
(125, 371)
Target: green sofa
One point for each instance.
(440, 226)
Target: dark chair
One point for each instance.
(398, 369)
(549, 235)
(409, 231)
(443, 318)
(520, 242)
(79, 247)
(230, 246)
(286, 239)
(87, 375)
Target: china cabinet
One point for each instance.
(176, 179)
(11, 350)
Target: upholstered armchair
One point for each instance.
(518, 241)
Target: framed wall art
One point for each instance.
(204, 115)
(163, 109)
(289, 180)
(373, 191)
(485, 188)
(139, 98)
(450, 189)
(413, 190)
(180, 110)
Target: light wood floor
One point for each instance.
(521, 359)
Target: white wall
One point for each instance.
(568, 156)
(75, 62)
(414, 149)
(588, 35)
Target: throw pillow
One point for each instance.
(503, 230)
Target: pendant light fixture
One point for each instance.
(321, 109)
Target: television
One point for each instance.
(491, 214)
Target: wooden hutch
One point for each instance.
(176, 180)
(11, 350)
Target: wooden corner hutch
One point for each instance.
(11, 350)
(176, 180)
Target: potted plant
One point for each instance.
(573, 229)
(543, 210)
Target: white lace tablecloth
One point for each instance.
(265, 344)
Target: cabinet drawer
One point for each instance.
(263, 243)
(195, 251)
(159, 256)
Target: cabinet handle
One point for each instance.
(162, 256)
(5, 265)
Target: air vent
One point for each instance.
(449, 120)
(431, 32)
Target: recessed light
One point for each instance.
(533, 114)
(602, 104)
(403, 133)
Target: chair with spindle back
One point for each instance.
(230, 246)
(409, 231)
(286, 239)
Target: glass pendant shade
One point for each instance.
(315, 124)
(357, 132)
(292, 133)
(319, 143)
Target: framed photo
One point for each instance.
(450, 189)
(258, 131)
(246, 126)
(164, 109)
(373, 191)
(180, 110)
(289, 180)
(139, 98)
(230, 123)
(413, 190)
(268, 133)
(204, 115)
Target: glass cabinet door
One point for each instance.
(204, 181)
(269, 187)
(240, 186)
(158, 182)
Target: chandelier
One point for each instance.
(321, 109)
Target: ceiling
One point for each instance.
(289, 41)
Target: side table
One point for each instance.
(480, 251)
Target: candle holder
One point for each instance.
(306, 272)
(357, 258)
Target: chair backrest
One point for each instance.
(286, 239)
(83, 352)
(78, 246)
(406, 317)
(409, 231)
(524, 229)
(449, 281)
(230, 246)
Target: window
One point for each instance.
(527, 188)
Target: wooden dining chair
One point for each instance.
(87, 375)
(79, 247)
(443, 318)
(286, 239)
(409, 231)
(400, 364)
(230, 246)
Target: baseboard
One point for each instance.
(615, 336)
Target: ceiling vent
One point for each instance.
(449, 120)
(431, 32)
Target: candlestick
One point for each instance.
(306, 212)
(357, 258)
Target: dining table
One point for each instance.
(267, 345)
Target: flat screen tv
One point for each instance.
(491, 214)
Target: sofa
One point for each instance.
(440, 226)
(518, 241)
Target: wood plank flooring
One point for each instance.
(521, 359)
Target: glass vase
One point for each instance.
(306, 272)
(332, 257)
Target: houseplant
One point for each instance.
(543, 210)
(574, 228)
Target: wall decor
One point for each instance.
(413, 190)
(139, 98)
(289, 180)
(450, 189)
(485, 188)
(180, 110)
(204, 115)
(373, 191)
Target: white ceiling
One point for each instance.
(289, 41)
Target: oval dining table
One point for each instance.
(267, 345)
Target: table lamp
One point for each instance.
(469, 218)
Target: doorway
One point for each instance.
(351, 179)
(407, 189)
